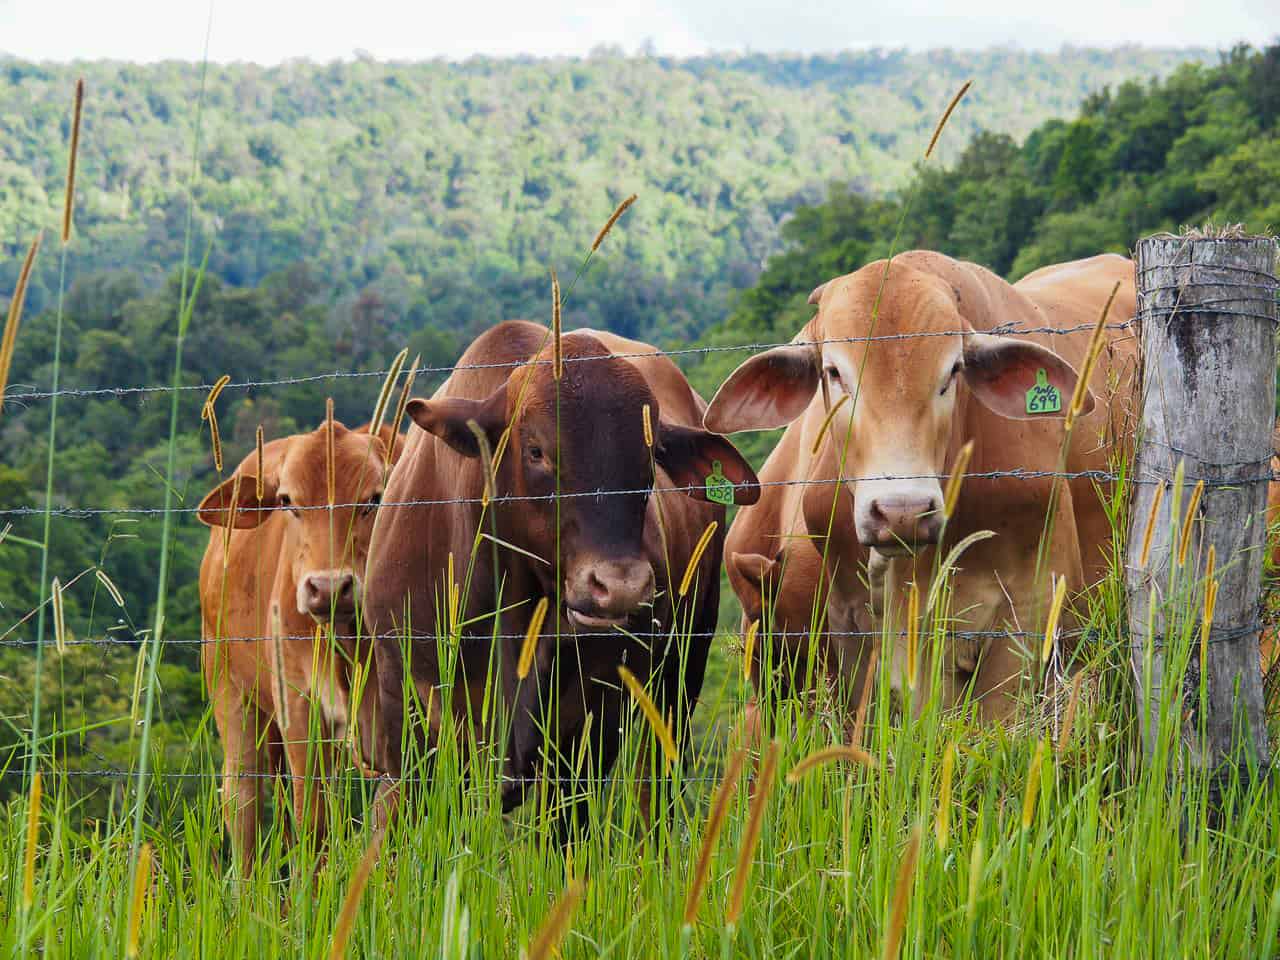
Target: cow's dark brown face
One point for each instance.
(575, 461)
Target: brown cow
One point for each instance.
(575, 521)
(907, 343)
(285, 566)
(777, 574)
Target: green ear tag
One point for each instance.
(1044, 397)
(719, 487)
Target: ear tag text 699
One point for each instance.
(1044, 397)
(719, 488)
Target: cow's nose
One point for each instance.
(608, 591)
(330, 592)
(903, 520)
(618, 589)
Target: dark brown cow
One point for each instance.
(286, 565)
(577, 524)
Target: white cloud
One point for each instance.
(273, 30)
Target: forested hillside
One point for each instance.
(451, 188)
(374, 206)
(1202, 145)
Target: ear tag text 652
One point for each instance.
(719, 488)
(1044, 397)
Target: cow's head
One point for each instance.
(589, 435)
(324, 546)
(898, 346)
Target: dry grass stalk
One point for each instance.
(69, 201)
(384, 395)
(942, 826)
(901, 896)
(913, 635)
(826, 423)
(617, 214)
(59, 620)
(696, 557)
(1033, 787)
(1096, 342)
(557, 368)
(1184, 541)
(260, 480)
(841, 751)
(647, 419)
(715, 822)
(486, 463)
(1210, 602)
(956, 479)
(749, 648)
(351, 902)
(546, 941)
(330, 456)
(955, 102)
(660, 728)
(110, 586)
(10, 337)
(33, 834)
(864, 701)
(141, 880)
(530, 646)
(755, 823)
(1156, 499)
(1055, 613)
(1069, 715)
(400, 405)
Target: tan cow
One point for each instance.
(575, 520)
(281, 569)
(909, 344)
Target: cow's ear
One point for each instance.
(1019, 379)
(706, 463)
(234, 502)
(766, 392)
(756, 570)
(449, 419)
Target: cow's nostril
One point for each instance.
(599, 590)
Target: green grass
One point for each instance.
(1119, 857)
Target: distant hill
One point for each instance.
(451, 188)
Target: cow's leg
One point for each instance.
(243, 730)
(307, 746)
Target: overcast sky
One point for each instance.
(268, 31)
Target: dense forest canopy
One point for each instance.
(356, 209)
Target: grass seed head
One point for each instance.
(546, 941)
(942, 826)
(69, 201)
(841, 751)
(696, 557)
(955, 102)
(617, 213)
(901, 896)
(659, 726)
(33, 835)
(956, 479)
(755, 823)
(715, 822)
(749, 648)
(530, 646)
(1033, 787)
(351, 902)
(141, 881)
(10, 337)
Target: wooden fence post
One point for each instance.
(1207, 316)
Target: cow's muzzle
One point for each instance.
(895, 523)
(605, 593)
(329, 593)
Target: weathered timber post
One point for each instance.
(1207, 315)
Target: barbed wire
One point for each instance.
(1000, 330)
(1017, 473)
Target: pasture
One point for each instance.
(899, 821)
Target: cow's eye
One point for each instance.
(286, 503)
(535, 452)
(951, 378)
(833, 374)
(371, 504)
